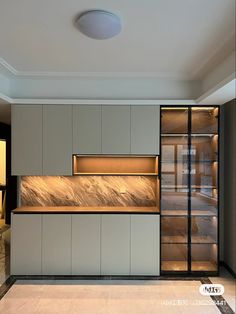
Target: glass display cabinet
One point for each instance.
(189, 189)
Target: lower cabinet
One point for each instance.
(56, 244)
(26, 244)
(145, 245)
(115, 245)
(85, 244)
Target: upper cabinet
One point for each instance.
(44, 137)
(87, 129)
(145, 129)
(116, 129)
(57, 140)
(26, 139)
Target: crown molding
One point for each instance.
(7, 67)
(56, 101)
(54, 74)
(6, 98)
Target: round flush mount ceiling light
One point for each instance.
(99, 24)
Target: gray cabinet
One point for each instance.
(86, 244)
(116, 129)
(26, 139)
(56, 244)
(145, 245)
(87, 129)
(26, 245)
(145, 129)
(57, 140)
(115, 245)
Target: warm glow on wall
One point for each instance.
(2, 162)
(116, 165)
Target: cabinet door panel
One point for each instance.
(86, 244)
(116, 129)
(115, 245)
(87, 124)
(56, 244)
(26, 139)
(26, 244)
(57, 140)
(145, 245)
(145, 129)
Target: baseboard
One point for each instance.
(226, 266)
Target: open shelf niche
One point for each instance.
(138, 171)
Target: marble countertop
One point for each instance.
(85, 210)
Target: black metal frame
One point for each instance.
(189, 244)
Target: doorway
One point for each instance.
(2, 182)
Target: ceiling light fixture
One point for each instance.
(99, 24)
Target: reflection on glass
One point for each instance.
(204, 201)
(174, 257)
(204, 120)
(204, 229)
(174, 230)
(174, 162)
(204, 148)
(174, 202)
(204, 175)
(204, 257)
(174, 120)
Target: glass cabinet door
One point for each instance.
(189, 189)
(174, 175)
(174, 189)
(204, 188)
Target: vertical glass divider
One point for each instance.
(189, 186)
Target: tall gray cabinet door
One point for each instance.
(26, 139)
(26, 244)
(145, 129)
(56, 244)
(57, 140)
(145, 245)
(86, 244)
(116, 129)
(87, 129)
(115, 245)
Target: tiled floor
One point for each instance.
(229, 284)
(108, 296)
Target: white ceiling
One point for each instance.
(164, 38)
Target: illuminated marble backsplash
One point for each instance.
(88, 191)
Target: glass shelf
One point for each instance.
(174, 120)
(174, 230)
(204, 257)
(204, 120)
(174, 257)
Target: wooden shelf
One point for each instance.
(174, 266)
(115, 165)
(115, 174)
(203, 266)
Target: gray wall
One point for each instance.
(229, 193)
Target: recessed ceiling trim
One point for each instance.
(55, 74)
